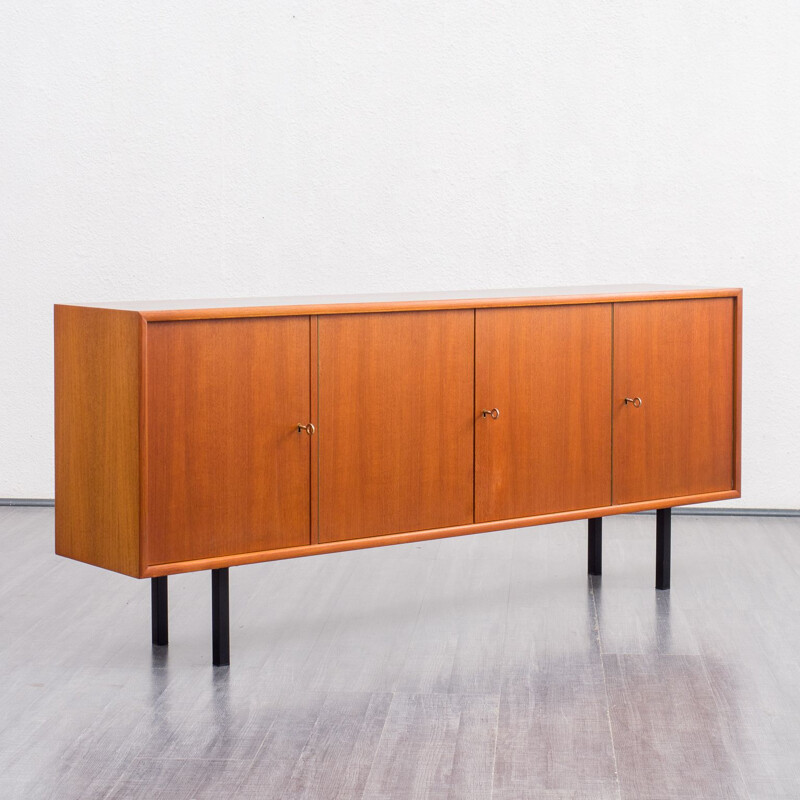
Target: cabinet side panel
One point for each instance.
(97, 437)
(737, 394)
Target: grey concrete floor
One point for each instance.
(485, 666)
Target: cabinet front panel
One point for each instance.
(677, 356)
(227, 469)
(548, 372)
(395, 414)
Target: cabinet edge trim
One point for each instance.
(174, 315)
(177, 567)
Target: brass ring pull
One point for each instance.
(494, 413)
(636, 402)
(309, 429)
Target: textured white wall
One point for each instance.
(198, 149)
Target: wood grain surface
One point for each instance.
(548, 372)
(227, 470)
(218, 308)
(193, 460)
(396, 433)
(737, 396)
(433, 533)
(678, 356)
(97, 437)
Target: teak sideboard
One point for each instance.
(198, 435)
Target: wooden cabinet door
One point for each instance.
(677, 356)
(227, 469)
(547, 370)
(395, 422)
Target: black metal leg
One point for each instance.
(596, 546)
(663, 546)
(220, 618)
(160, 609)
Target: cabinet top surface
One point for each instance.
(233, 306)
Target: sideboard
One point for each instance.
(194, 435)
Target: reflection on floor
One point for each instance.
(486, 666)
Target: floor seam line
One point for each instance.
(378, 743)
(720, 711)
(605, 689)
(500, 688)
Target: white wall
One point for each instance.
(198, 149)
